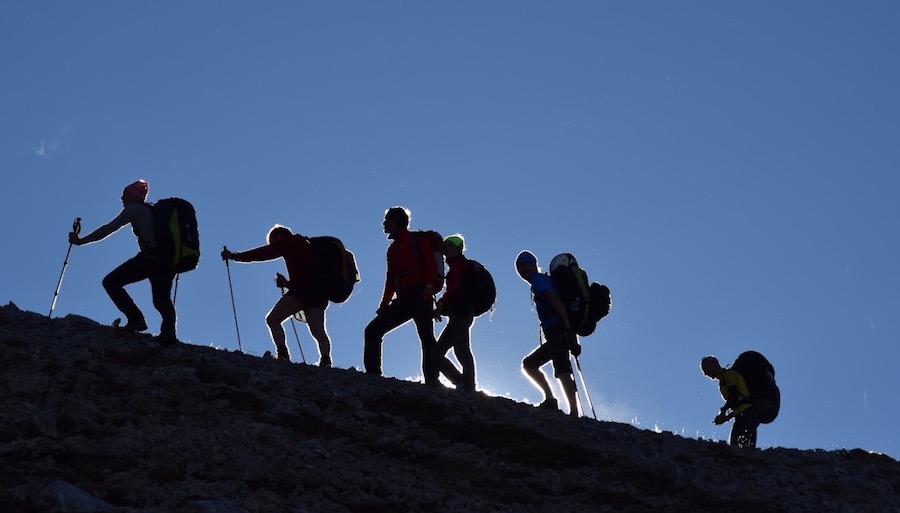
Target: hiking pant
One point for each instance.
(143, 267)
(555, 348)
(743, 432)
(456, 336)
(408, 306)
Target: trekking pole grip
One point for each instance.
(76, 226)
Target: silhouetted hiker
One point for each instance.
(411, 281)
(143, 266)
(456, 304)
(557, 338)
(750, 393)
(302, 294)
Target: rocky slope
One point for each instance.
(92, 422)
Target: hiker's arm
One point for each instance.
(260, 254)
(103, 232)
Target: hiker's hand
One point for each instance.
(227, 255)
(280, 281)
(576, 349)
(74, 239)
(438, 312)
(720, 419)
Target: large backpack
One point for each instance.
(482, 290)
(336, 267)
(177, 238)
(759, 375)
(432, 241)
(586, 302)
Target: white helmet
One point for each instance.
(562, 260)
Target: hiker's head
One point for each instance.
(135, 192)
(278, 231)
(710, 367)
(396, 218)
(453, 245)
(526, 264)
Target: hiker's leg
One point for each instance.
(161, 287)
(131, 271)
(743, 432)
(439, 355)
(531, 366)
(315, 322)
(567, 380)
(388, 319)
(424, 320)
(462, 348)
(285, 307)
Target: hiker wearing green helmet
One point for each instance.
(456, 304)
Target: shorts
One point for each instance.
(310, 298)
(555, 349)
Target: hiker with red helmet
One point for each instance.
(143, 266)
(557, 335)
(456, 304)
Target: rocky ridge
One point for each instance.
(93, 422)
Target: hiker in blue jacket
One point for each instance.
(557, 340)
(143, 266)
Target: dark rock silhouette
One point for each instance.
(92, 422)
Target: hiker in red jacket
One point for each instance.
(456, 304)
(411, 281)
(143, 266)
(303, 292)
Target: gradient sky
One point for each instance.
(729, 169)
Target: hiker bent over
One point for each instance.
(746, 409)
(143, 266)
(303, 293)
(456, 304)
(558, 337)
(409, 288)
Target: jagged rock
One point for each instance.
(94, 422)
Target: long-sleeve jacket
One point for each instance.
(298, 258)
(406, 267)
(139, 215)
(456, 298)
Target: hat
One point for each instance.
(526, 257)
(137, 190)
(457, 240)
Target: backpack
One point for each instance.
(433, 240)
(759, 374)
(482, 290)
(336, 267)
(177, 238)
(586, 302)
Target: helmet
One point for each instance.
(562, 260)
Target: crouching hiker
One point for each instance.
(302, 293)
(751, 395)
(456, 304)
(143, 266)
(557, 340)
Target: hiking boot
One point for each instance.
(134, 326)
(549, 404)
(167, 340)
(325, 362)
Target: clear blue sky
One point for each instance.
(729, 169)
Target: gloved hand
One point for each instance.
(575, 349)
(280, 281)
(227, 255)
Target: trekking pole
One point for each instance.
(294, 326)
(76, 229)
(584, 385)
(233, 308)
(175, 295)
